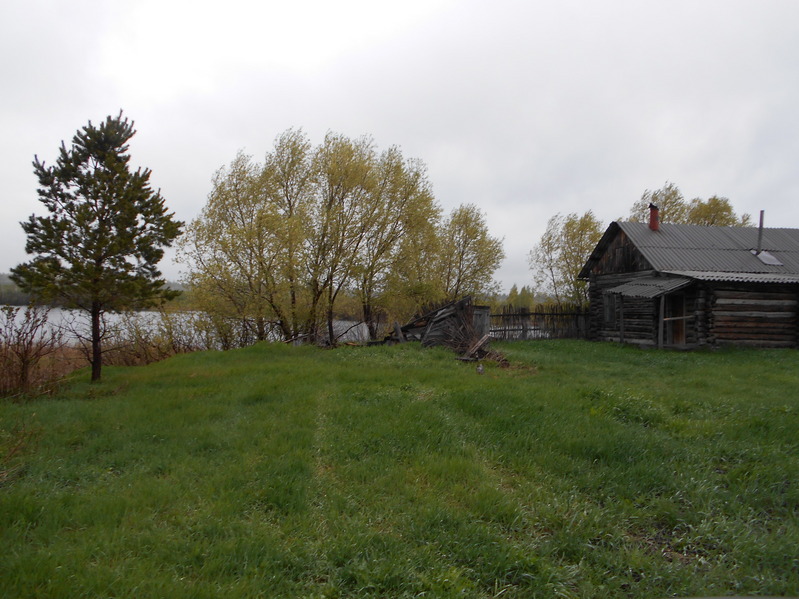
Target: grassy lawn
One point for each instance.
(584, 470)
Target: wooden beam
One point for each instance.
(477, 346)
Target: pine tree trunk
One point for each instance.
(97, 354)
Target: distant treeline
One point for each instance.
(11, 295)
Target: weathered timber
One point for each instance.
(456, 325)
(477, 346)
(757, 301)
(747, 293)
(761, 314)
(544, 322)
(756, 343)
(749, 333)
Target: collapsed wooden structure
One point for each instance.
(686, 286)
(460, 325)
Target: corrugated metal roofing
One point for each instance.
(683, 248)
(737, 277)
(649, 287)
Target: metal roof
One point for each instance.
(738, 277)
(649, 287)
(714, 249)
(711, 253)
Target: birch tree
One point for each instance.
(561, 253)
(404, 209)
(344, 212)
(234, 249)
(468, 254)
(282, 244)
(668, 199)
(715, 211)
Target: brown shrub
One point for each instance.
(28, 346)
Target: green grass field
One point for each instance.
(584, 470)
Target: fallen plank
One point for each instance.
(477, 346)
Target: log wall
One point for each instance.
(756, 315)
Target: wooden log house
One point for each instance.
(687, 286)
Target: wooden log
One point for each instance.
(752, 335)
(754, 326)
(755, 308)
(477, 346)
(753, 343)
(751, 293)
(753, 314)
(776, 320)
(758, 301)
(631, 341)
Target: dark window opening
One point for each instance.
(675, 319)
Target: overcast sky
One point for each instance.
(524, 108)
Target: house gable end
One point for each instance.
(615, 253)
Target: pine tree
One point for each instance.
(98, 248)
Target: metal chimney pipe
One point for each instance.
(760, 234)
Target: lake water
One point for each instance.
(75, 322)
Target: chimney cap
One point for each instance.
(653, 207)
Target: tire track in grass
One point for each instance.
(356, 546)
(474, 516)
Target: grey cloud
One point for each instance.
(523, 108)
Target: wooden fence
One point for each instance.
(542, 322)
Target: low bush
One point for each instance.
(27, 348)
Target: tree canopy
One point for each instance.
(282, 244)
(99, 246)
(673, 208)
(561, 253)
(469, 255)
